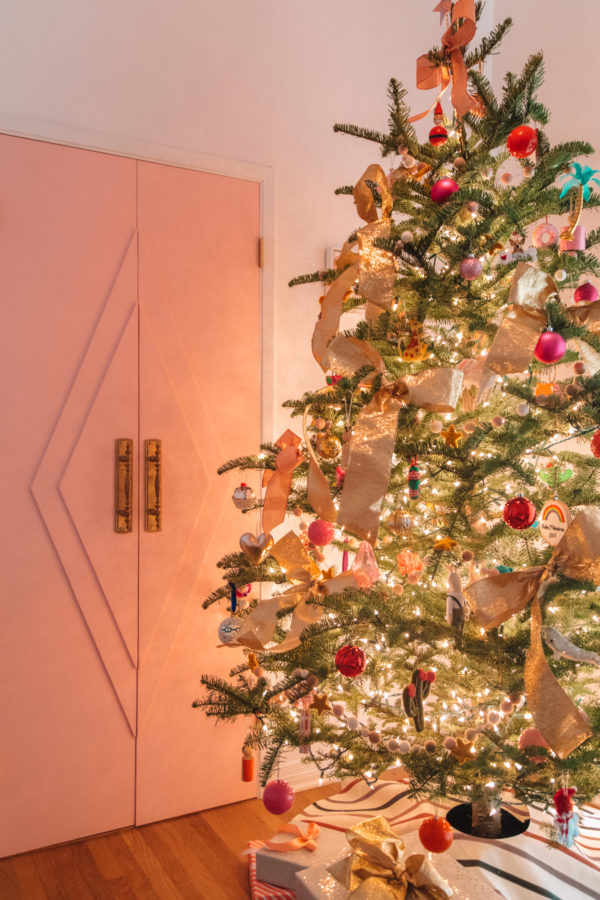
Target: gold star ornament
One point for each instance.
(463, 750)
(445, 543)
(451, 436)
(320, 703)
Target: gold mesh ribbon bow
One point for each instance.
(374, 437)
(497, 598)
(309, 586)
(278, 482)
(377, 869)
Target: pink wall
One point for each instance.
(260, 81)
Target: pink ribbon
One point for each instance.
(302, 841)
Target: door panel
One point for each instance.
(68, 683)
(130, 310)
(200, 389)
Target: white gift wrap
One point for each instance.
(467, 883)
(523, 867)
(280, 868)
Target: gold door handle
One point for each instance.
(153, 456)
(123, 485)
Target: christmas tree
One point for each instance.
(431, 600)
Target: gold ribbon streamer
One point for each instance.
(497, 598)
(430, 74)
(519, 331)
(310, 585)
(376, 269)
(377, 869)
(363, 196)
(373, 440)
(331, 310)
(278, 487)
(317, 487)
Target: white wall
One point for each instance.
(255, 80)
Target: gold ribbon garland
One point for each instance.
(309, 585)
(513, 345)
(519, 331)
(373, 440)
(317, 487)
(376, 275)
(377, 869)
(279, 482)
(497, 598)
(461, 31)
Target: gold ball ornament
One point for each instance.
(400, 522)
(328, 446)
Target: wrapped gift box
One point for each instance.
(260, 890)
(280, 868)
(316, 883)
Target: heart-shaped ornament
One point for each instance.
(256, 548)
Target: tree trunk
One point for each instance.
(487, 820)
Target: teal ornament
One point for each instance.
(504, 569)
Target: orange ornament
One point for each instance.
(409, 563)
(435, 833)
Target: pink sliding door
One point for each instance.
(130, 309)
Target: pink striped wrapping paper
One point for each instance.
(260, 890)
(519, 868)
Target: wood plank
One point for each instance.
(193, 857)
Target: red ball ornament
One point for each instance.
(438, 135)
(278, 797)
(470, 268)
(550, 347)
(443, 189)
(519, 513)
(435, 833)
(350, 661)
(595, 444)
(321, 532)
(522, 141)
(585, 293)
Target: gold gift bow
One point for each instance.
(377, 868)
(310, 586)
(373, 440)
(519, 331)
(497, 598)
(376, 275)
(279, 481)
(430, 74)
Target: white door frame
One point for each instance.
(120, 145)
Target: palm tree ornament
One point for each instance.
(580, 177)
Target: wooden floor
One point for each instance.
(196, 856)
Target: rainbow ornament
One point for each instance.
(554, 519)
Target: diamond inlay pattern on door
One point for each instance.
(70, 493)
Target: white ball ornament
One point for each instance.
(352, 723)
(560, 275)
(523, 409)
(436, 426)
(229, 629)
(338, 710)
(403, 747)
(406, 237)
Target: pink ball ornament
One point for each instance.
(469, 427)
(321, 532)
(507, 706)
(497, 422)
(544, 235)
(467, 555)
(278, 797)
(403, 747)
(493, 717)
(450, 744)
(436, 426)
(406, 237)
(429, 746)
(470, 268)
(585, 293)
(470, 735)
(443, 189)
(579, 367)
(550, 347)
